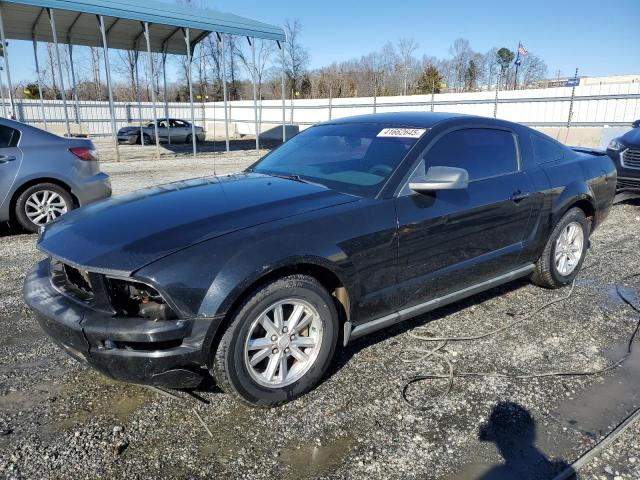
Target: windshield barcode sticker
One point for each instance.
(402, 132)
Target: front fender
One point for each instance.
(205, 279)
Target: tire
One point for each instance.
(231, 368)
(547, 272)
(147, 140)
(36, 196)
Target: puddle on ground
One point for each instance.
(599, 408)
(108, 399)
(607, 290)
(312, 461)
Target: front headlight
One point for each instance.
(615, 145)
(135, 299)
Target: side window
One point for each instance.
(546, 150)
(8, 137)
(483, 152)
(180, 124)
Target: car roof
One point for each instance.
(407, 119)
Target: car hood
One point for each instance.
(631, 138)
(124, 234)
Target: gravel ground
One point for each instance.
(60, 419)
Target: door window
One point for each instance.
(8, 137)
(483, 152)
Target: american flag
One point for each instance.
(522, 50)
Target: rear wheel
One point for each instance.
(564, 253)
(279, 343)
(40, 204)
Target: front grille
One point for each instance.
(631, 158)
(72, 281)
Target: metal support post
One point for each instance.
(52, 20)
(136, 54)
(5, 54)
(164, 90)
(284, 107)
(112, 111)
(187, 40)
(74, 87)
(224, 92)
(39, 79)
(254, 75)
(147, 36)
(573, 95)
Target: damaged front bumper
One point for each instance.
(158, 352)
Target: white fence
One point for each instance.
(594, 105)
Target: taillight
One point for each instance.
(84, 153)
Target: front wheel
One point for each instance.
(279, 343)
(564, 252)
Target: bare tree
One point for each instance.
(95, 70)
(533, 69)
(461, 53)
(296, 56)
(264, 54)
(126, 66)
(406, 48)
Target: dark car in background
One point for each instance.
(43, 176)
(351, 226)
(169, 131)
(625, 153)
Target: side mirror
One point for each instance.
(636, 124)
(441, 178)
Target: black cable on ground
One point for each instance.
(452, 374)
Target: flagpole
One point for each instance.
(515, 79)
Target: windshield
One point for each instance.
(351, 158)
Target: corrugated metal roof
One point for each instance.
(76, 23)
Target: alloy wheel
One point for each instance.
(568, 251)
(283, 343)
(44, 206)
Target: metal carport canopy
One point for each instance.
(76, 23)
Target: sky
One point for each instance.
(600, 38)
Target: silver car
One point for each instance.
(171, 130)
(43, 176)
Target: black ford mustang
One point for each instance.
(351, 226)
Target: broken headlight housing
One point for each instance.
(135, 299)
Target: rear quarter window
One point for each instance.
(546, 150)
(9, 137)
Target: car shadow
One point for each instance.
(7, 230)
(627, 198)
(219, 146)
(512, 429)
(344, 354)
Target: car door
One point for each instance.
(163, 130)
(451, 239)
(10, 160)
(179, 131)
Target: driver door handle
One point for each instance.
(7, 158)
(519, 195)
